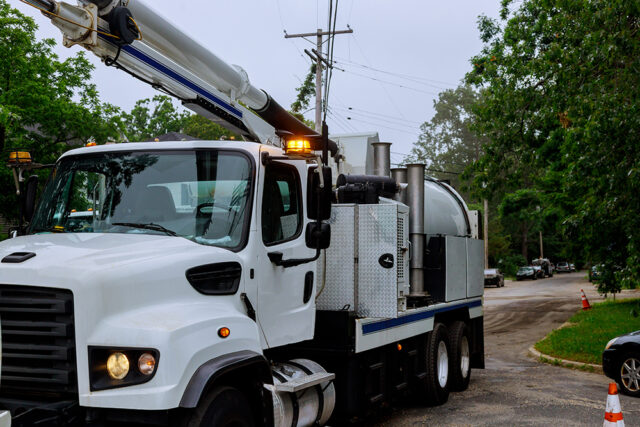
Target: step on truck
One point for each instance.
(219, 283)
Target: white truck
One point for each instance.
(224, 283)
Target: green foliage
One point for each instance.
(154, 117)
(560, 86)
(305, 91)
(446, 142)
(589, 331)
(202, 128)
(46, 105)
(510, 264)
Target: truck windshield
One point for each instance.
(203, 196)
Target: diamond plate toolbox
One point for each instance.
(367, 263)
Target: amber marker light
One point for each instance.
(224, 332)
(91, 144)
(146, 364)
(399, 347)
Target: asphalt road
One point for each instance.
(515, 389)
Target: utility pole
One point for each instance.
(541, 248)
(320, 60)
(486, 232)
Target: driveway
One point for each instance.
(515, 389)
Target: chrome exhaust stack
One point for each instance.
(400, 176)
(382, 159)
(415, 198)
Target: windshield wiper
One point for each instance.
(48, 230)
(148, 226)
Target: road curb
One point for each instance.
(545, 358)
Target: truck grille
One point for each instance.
(38, 342)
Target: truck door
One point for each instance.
(286, 312)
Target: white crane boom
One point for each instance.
(130, 35)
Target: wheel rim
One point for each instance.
(443, 364)
(464, 357)
(630, 374)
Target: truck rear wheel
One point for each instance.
(460, 356)
(436, 382)
(222, 406)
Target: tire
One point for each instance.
(435, 387)
(629, 365)
(221, 407)
(460, 366)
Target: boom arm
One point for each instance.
(128, 34)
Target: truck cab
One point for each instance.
(155, 258)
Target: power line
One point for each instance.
(414, 81)
(340, 121)
(368, 117)
(401, 75)
(379, 115)
(385, 126)
(383, 87)
(426, 169)
(390, 83)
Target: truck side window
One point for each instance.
(281, 204)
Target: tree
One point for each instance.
(45, 104)
(153, 117)
(202, 128)
(305, 91)
(447, 142)
(559, 106)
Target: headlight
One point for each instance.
(610, 343)
(121, 367)
(117, 366)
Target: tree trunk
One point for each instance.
(3, 136)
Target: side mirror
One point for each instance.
(319, 199)
(29, 201)
(318, 236)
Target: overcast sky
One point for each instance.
(402, 53)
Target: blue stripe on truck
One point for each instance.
(175, 76)
(370, 328)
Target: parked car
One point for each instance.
(526, 272)
(563, 267)
(539, 272)
(572, 267)
(493, 277)
(594, 273)
(545, 264)
(621, 362)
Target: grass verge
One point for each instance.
(588, 332)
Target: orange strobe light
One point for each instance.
(298, 146)
(19, 157)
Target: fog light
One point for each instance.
(118, 366)
(146, 364)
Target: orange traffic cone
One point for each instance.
(585, 301)
(613, 413)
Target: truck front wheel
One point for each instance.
(222, 406)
